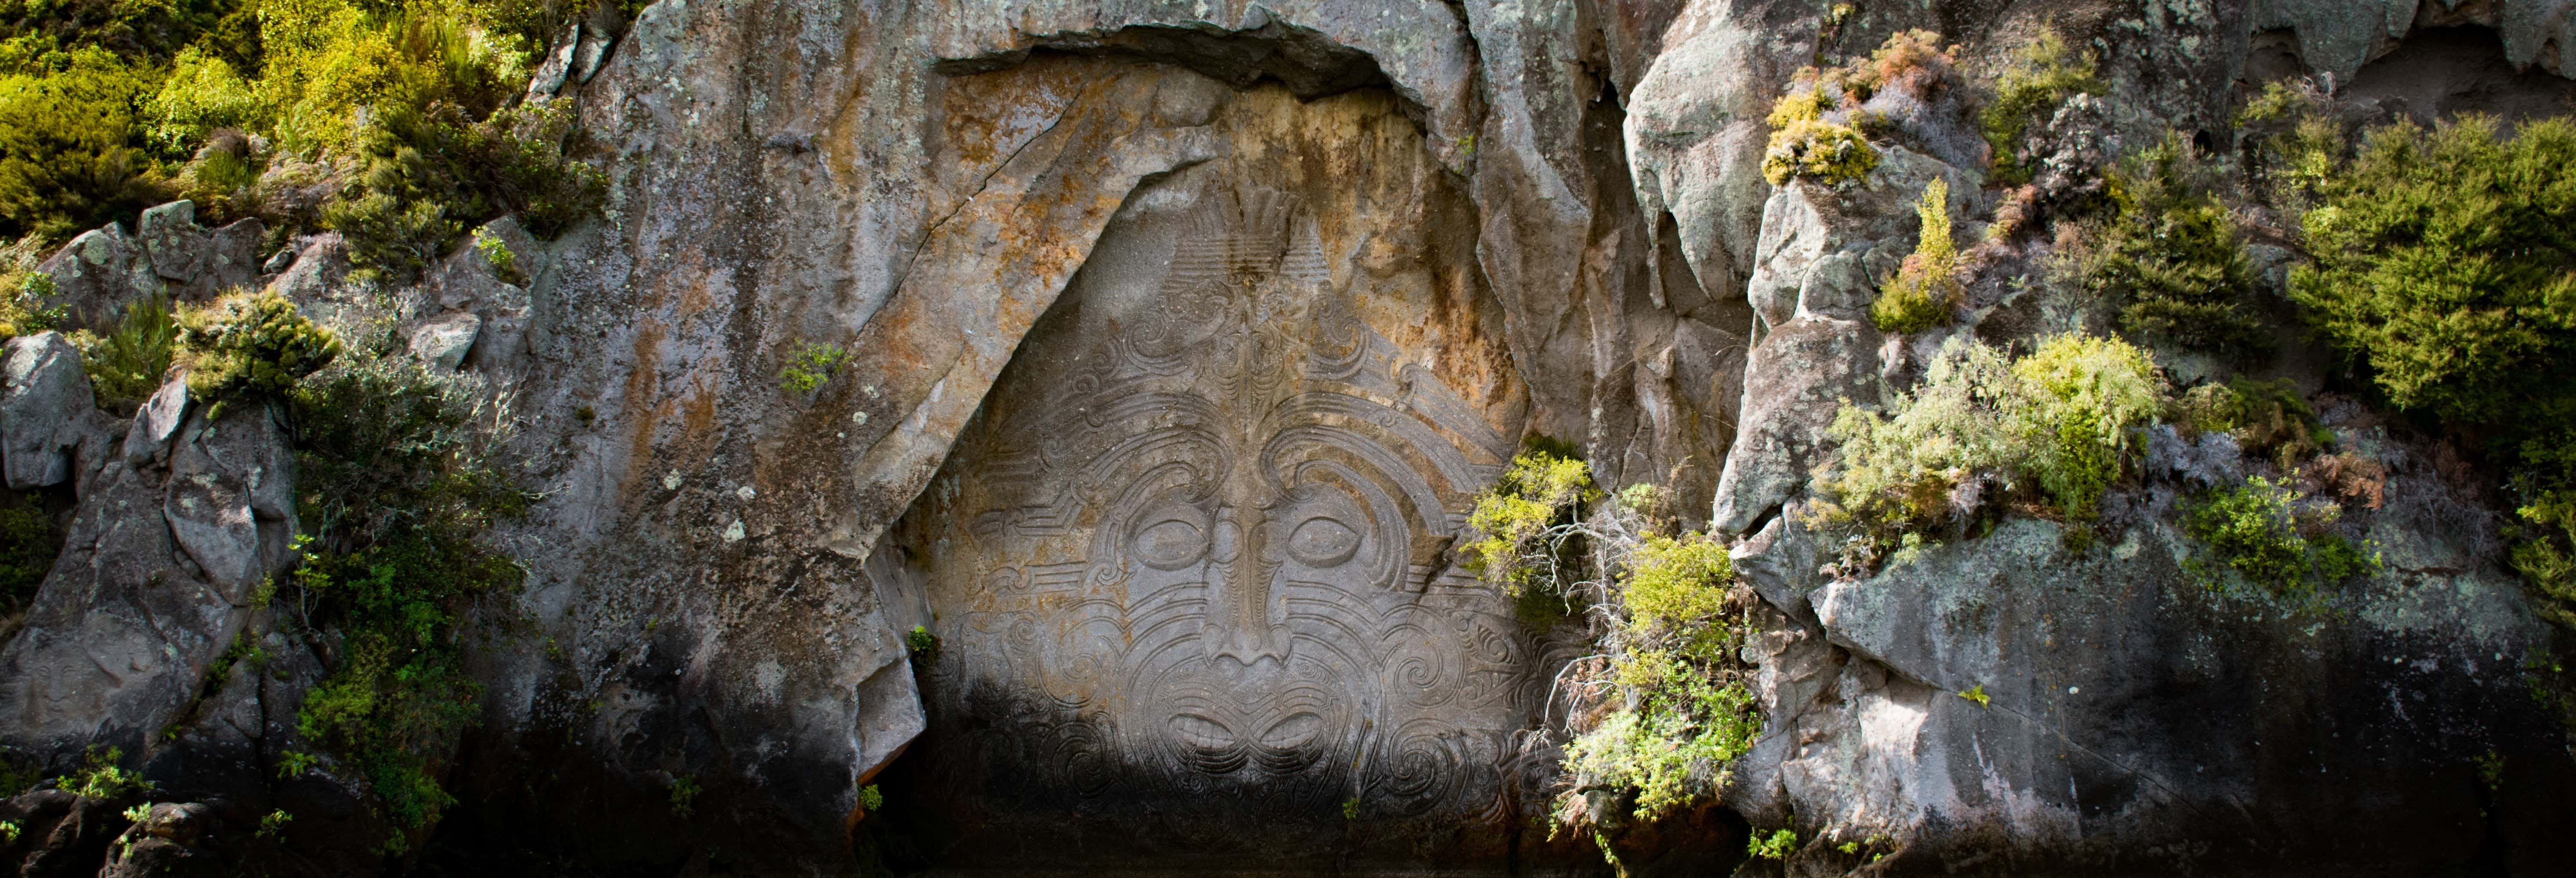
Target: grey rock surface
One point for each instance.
(154, 579)
(44, 410)
(445, 339)
(1178, 339)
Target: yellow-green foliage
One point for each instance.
(1898, 469)
(2058, 421)
(326, 59)
(250, 343)
(1539, 491)
(1686, 714)
(1776, 846)
(2043, 74)
(27, 303)
(126, 364)
(2261, 533)
(2298, 143)
(2263, 416)
(71, 142)
(2174, 257)
(1812, 147)
(1925, 287)
(809, 365)
(2442, 263)
(99, 777)
(2546, 553)
(203, 93)
(2085, 393)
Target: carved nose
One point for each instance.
(1238, 625)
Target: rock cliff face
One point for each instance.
(1179, 339)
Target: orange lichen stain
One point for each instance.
(643, 406)
(695, 297)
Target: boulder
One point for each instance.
(443, 341)
(98, 274)
(43, 410)
(154, 579)
(172, 240)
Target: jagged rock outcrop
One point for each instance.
(167, 256)
(182, 518)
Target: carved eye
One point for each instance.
(1170, 544)
(1201, 732)
(1292, 733)
(1323, 542)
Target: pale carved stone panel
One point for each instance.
(1196, 551)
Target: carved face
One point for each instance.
(1221, 545)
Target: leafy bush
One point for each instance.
(1668, 706)
(2175, 257)
(1776, 846)
(430, 173)
(27, 303)
(1925, 287)
(2263, 416)
(2042, 75)
(2298, 144)
(2545, 553)
(2261, 533)
(809, 365)
(99, 777)
(1541, 492)
(1808, 146)
(250, 343)
(397, 482)
(203, 93)
(2442, 264)
(71, 143)
(125, 366)
(2084, 394)
(2058, 422)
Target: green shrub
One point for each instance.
(125, 366)
(100, 777)
(1817, 128)
(1810, 147)
(1925, 287)
(1687, 714)
(2298, 144)
(809, 365)
(2442, 264)
(684, 795)
(2085, 394)
(1541, 492)
(1776, 846)
(922, 645)
(2260, 533)
(2545, 548)
(2041, 76)
(1895, 472)
(1664, 615)
(2264, 417)
(250, 343)
(27, 304)
(2059, 422)
(2175, 258)
(71, 146)
(397, 482)
(202, 93)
